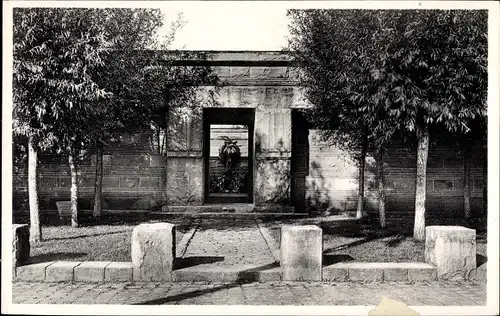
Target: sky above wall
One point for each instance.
(219, 26)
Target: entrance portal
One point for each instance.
(228, 155)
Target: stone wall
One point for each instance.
(290, 165)
(133, 178)
(326, 178)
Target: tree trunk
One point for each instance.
(467, 210)
(422, 153)
(74, 191)
(381, 187)
(98, 181)
(361, 181)
(35, 227)
(485, 184)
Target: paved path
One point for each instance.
(229, 242)
(277, 293)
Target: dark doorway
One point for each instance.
(300, 159)
(228, 153)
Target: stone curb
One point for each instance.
(226, 274)
(105, 271)
(379, 271)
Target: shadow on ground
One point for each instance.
(181, 263)
(329, 259)
(56, 256)
(244, 277)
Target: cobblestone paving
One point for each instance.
(229, 242)
(269, 293)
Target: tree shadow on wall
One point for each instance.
(318, 200)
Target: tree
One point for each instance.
(342, 72)
(54, 50)
(428, 68)
(107, 81)
(437, 66)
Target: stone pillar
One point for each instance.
(301, 253)
(153, 252)
(273, 138)
(20, 245)
(452, 249)
(184, 183)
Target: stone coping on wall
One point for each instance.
(106, 271)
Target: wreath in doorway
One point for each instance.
(229, 157)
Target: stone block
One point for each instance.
(421, 272)
(157, 161)
(452, 249)
(395, 274)
(20, 244)
(365, 272)
(335, 273)
(150, 182)
(32, 272)
(111, 182)
(301, 252)
(268, 72)
(153, 252)
(239, 72)
(129, 182)
(118, 272)
(90, 271)
(60, 271)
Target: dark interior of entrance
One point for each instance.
(228, 155)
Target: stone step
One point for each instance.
(227, 208)
(232, 215)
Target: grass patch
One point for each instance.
(365, 241)
(106, 239)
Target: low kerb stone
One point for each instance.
(452, 249)
(301, 253)
(366, 271)
(60, 271)
(336, 273)
(153, 252)
(32, 272)
(91, 271)
(118, 272)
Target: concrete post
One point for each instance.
(20, 245)
(153, 252)
(452, 249)
(301, 253)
